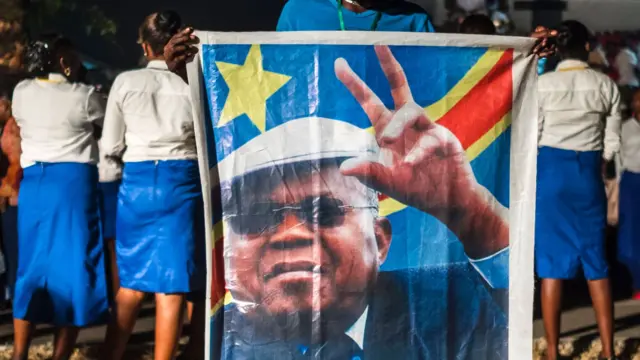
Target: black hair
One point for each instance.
(478, 24)
(158, 28)
(42, 56)
(573, 36)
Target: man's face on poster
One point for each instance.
(304, 239)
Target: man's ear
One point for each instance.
(383, 238)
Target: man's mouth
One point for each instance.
(301, 267)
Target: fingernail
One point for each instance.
(341, 64)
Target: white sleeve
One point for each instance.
(16, 103)
(613, 124)
(112, 143)
(96, 104)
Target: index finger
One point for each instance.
(369, 101)
(392, 69)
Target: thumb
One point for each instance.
(372, 174)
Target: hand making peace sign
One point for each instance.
(421, 164)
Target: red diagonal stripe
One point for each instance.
(484, 105)
(217, 277)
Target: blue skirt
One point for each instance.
(109, 203)
(61, 278)
(160, 243)
(629, 226)
(570, 215)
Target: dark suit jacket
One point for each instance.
(437, 313)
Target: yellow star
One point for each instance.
(249, 88)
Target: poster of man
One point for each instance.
(365, 196)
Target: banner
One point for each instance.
(367, 201)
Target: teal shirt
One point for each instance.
(322, 15)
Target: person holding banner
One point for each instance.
(629, 226)
(160, 244)
(579, 132)
(61, 276)
(362, 15)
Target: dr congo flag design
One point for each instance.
(366, 201)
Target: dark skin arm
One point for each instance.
(180, 50)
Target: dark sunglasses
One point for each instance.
(324, 212)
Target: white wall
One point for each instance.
(598, 15)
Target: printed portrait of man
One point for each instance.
(304, 241)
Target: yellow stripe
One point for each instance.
(216, 307)
(575, 68)
(389, 206)
(489, 137)
(217, 233)
(477, 72)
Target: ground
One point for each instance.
(579, 336)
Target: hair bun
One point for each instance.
(168, 21)
(38, 57)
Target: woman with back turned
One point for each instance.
(159, 220)
(61, 271)
(579, 132)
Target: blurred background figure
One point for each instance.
(352, 15)
(570, 228)
(598, 56)
(627, 67)
(477, 24)
(61, 276)
(629, 223)
(9, 186)
(160, 244)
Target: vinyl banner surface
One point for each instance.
(367, 201)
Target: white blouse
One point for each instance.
(57, 119)
(579, 109)
(148, 117)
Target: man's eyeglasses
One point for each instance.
(323, 212)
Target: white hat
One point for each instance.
(298, 140)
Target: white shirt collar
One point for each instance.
(356, 331)
(570, 64)
(157, 64)
(56, 78)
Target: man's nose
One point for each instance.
(291, 233)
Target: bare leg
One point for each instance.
(115, 280)
(64, 342)
(600, 291)
(128, 304)
(169, 319)
(189, 311)
(551, 304)
(23, 330)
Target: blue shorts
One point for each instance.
(160, 242)
(61, 278)
(570, 215)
